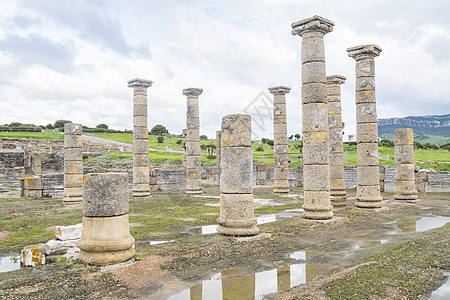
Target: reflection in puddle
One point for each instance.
(160, 242)
(228, 285)
(302, 255)
(9, 263)
(442, 293)
(415, 224)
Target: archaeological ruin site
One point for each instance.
(77, 224)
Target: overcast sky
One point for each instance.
(71, 59)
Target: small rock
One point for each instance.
(72, 232)
(32, 257)
(56, 246)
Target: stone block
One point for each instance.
(315, 137)
(335, 144)
(71, 232)
(334, 91)
(237, 170)
(367, 133)
(365, 84)
(281, 149)
(404, 172)
(316, 177)
(73, 154)
(335, 106)
(140, 110)
(313, 72)
(236, 207)
(281, 160)
(73, 167)
(368, 196)
(140, 98)
(59, 247)
(336, 159)
(365, 68)
(192, 100)
(32, 257)
(314, 93)
(32, 183)
(280, 138)
(106, 195)
(140, 147)
(140, 160)
(73, 141)
(193, 162)
(368, 175)
(315, 117)
(192, 111)
(141, 174)
(365, 97)
(192, 123)
(140, 133)
(193, 173)
(192, 148)
(317, 205)
(192, 135)
(281, 173)
(32, 193)
(405, 190)
(367, 154)
(404, 154)
(313, 50)
(73, 180)
(366, 113)
(336, 172)
(73, 192)
(140, 121)
(73, 128)
(316, 153)
(335, 121)
(236, 131)
(404, 136)
(193, 184)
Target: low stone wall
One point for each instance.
(53, 184)
(11, 159)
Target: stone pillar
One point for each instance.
(141, 180)
(218, 146)
(281, 150)
(368, 193)
(73, 163)
(405, 188)
(105, 237)
(192, 140)
(237, 215)
(337, 184)
(316, 169)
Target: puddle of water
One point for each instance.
(302, 255)
(415, 224)
(159, 242)
(207, 229)
(229, 285)
(9, 263)
(442, 293)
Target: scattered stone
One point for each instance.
(31, 256)
(72, 232)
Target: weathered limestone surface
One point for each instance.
(218, 147)
(281, 154)
(105, 237)
(405, 188)
(237, 216)
(31, 187)
(141, 187)
(192, 142)
(73, 163)
(337, 184)
(368, 189)
(316, 170)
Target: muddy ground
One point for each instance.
(360, 254)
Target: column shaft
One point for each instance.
(405, 188)
(73, 163)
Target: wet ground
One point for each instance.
(397, 252)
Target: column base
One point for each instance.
(338, 192)
(338, 201)
(196, 192)
(368, 196)
(141, 194)
(237, 227)
(106, 258)
(317, 213)
(281, 190)
(73, 200)
(412, 196)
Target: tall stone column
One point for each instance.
(105, 237)
(237, 215)
(316, 169)
(337, 184)
(405, 188)
(281, 151)
(368, 193)
(192, 140)
(73, 163)
(141, 177)
(218, 146)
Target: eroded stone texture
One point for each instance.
(337, 184)
(237, 216)
(141, 179)
(218, 146)
(316, 170)
(405, 188)
(73, 163)
(105, 237)
(192, 142)
(368, 188)
(281, 155)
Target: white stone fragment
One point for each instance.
(57, 246)
(72, 232)
(32, 257)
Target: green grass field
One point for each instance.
(33, 135)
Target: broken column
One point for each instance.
(281, 151)
(237, 215)
(316, 169)
(405, 188)
(73, 163)
(368, 193)
(192, 140)
(337, 184)
(31, 187)
(141, 188)
(105, 237)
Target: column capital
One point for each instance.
(192, 92)
(364, 51)
(314, 23)
(336, 79)
(138, 82)
(279, 90)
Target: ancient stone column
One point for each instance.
(405, 188)
(281, 151)
(337, 184)
(192, 140)
(73, 163)
(368, 189)
(105, 237)
(316, 169)
(141, 178)
(218, 146)
(237, 215)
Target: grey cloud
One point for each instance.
(439, 48)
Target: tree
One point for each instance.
(15, 124)
(60, 123)
(50, 126)
(297, 136)
(203, 137)
(179, 142)
(291, 137)
(160, 139)
(386, 143)
(104, 126)
(159, 130)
